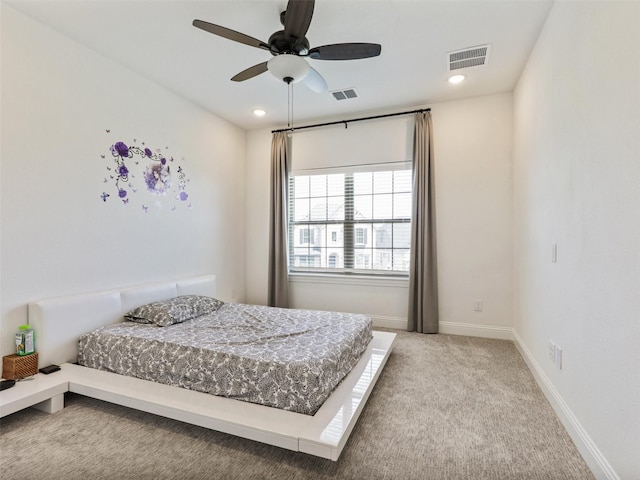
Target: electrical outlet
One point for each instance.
(552, 351)
(558, 357)
(477, 305)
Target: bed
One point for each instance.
(319, 428)
(281, 358)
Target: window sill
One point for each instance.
(365, 280)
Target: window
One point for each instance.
(307, 236)
(308, 261)
(351, 220)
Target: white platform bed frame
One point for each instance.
(59, 322)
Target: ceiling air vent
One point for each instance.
(469, 57)
(344, 94)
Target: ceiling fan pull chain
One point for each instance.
(290, 105)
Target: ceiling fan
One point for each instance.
(290, 45)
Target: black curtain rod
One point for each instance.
(345, 122)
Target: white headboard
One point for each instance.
(59, 322)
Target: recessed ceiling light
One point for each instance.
(456, 79)
(259, 112)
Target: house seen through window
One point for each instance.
(356, 221)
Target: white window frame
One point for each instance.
(351, 251)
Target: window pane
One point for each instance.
(362, 206)
(298, 255)
(335, 185)
(300, 235)
(401, 260)
(383, 206)
(335, 258)
(301, 186)
(318, 258)
(318, 186)
(335, 208)
(402, 235)
(318, 238)
(362, 183)
(301, 211)
(402, 205)
(402, 181)
(382, 259)
(363, 260)
(383, 235)
(382, 182)
(318, 209)
(312, 260)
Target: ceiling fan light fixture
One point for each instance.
(287, 66)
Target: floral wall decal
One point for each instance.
(154, 175)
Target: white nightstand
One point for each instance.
(44, 392)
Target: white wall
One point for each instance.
(577, 184)
(58, 236)
(473, 143)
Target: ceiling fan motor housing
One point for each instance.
(279, 43)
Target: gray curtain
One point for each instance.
(278, 274)
(423, 273)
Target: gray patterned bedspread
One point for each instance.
(283, 358)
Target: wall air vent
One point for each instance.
(468, 57)
(344, 94)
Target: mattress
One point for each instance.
(282, 358)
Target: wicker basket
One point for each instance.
(19, 366)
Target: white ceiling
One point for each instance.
(156, 40)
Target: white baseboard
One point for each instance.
(397, 323)
(449, 328)
(472, 330)
(587, 448)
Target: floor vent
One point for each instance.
(344, 94)
(469, 57)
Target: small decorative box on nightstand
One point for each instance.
(19, 366)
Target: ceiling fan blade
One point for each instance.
(345, 51)
(298, 18)
(250, 72)
(230, 34)
(315, 81)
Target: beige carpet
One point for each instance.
(445, 407)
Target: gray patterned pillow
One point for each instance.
(174, 310)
